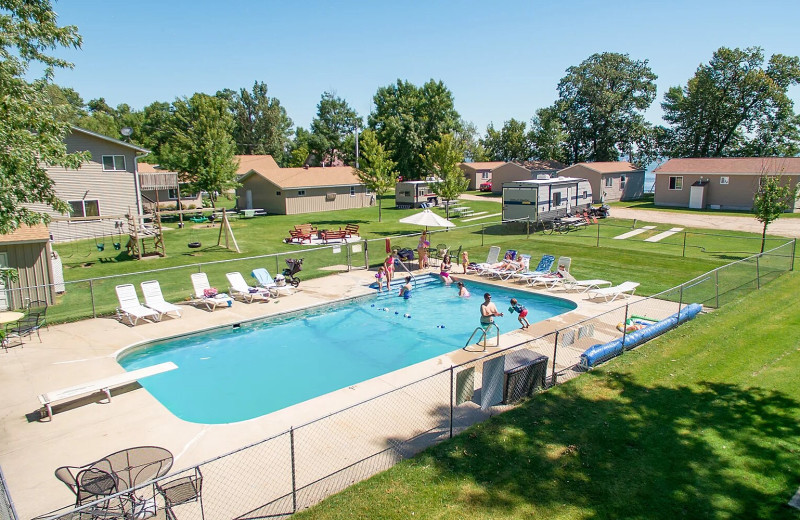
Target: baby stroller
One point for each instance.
(293, 266)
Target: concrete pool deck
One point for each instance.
(86, 429)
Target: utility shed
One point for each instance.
(28, 251)
(545, 199)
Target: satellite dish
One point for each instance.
(126, 131)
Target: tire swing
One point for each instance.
(194, 244)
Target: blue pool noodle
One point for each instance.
(597, 354)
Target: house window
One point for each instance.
(352, 191)
(113, 163)
(676, 183)
(172, 194)
(609, 182)
(84, 208)
(485, 175)
(724, 180)
(301, 193)
(367, 190)
(557, 199)
(278, 193)
(621, 182)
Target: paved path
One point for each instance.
(787, 227)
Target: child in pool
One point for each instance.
(462, 291)
(521, 310)
(464, 261)
(405, 290)
(444, 272)
(382, 277)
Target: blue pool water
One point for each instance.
(234, 374)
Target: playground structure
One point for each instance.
(140, 231)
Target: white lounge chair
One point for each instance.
(554, 278)
(102, 385)
(610, 294)
(266, 281)
(491, 259)
(154, 299)
(239, 289)
(510, 269)
(200, 284)
(129, 306)
(569, 283)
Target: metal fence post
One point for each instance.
(553, 378)
(294, 474)
(452, 375)
(91, 292)
(277, 267)
(366, 255)
(684, 245)
(758, 272)
(625, 328)
(349, 257)
(528, 227)
(716, 282)
(794, 247)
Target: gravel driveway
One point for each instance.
(786, 227)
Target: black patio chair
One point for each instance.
(24, 328)
(39, 306)
(182, 490)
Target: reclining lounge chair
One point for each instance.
(129, 306)
(154, 299)
(202, 296)
(239, 289)
(609, 294)
(266, 281)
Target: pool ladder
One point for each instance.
(484, 336)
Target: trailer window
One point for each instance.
(557, 198)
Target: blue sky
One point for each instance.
(500, 59)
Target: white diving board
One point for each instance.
(665, 234)
(634, 232)
(102, 385)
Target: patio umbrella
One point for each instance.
(427, 218)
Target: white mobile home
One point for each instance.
(546, 198)
(411, 194)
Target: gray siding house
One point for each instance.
(611, 181)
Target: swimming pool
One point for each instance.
(237, 373)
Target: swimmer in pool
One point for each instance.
(405, 290)
(462, 291)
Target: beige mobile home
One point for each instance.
(611, 181)
(28, 251)
(105, 185)
(510, 172)
(289, 191)
(545, 199)
(479, 172)
(412, 194)
(720, 182)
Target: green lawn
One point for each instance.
(657, 266)
(703, 422)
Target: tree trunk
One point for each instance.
(764, 236)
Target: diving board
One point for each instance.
(665, 234)
(634, 232)
(102, 385)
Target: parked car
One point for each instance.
(486, 186)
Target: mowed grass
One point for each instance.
(703, 422)
(595, 254)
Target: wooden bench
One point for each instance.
(334, 235)
(101, 385)
(300, 237)
(306, 229)
(351, 229)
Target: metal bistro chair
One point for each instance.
(39, 306)
(25, 327)
(180, 491)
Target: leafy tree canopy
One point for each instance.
(261, 125)
(548, 136)
(735, 106)
(441, 161)
(469, 140)
(32, 128)
(201, 146)
(511, 143)
(333, 129)
(376, 168)
(601, 102)
(407, 118)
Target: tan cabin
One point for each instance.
(479, 172)
(720, 182)
(611, 181)
(529, 170)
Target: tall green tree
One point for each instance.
(774, 197)
(201, 146)
(511, 143)
(333, 129)
(469, 140)
(261, 123)
(407, 118)
(548, 136)
(733, 106)
(601, 102)
(32, 128)
(375, 169)
(441, 160)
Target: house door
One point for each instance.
(3, 292)
(248, 199)
(696, 197)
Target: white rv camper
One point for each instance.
(545, 199)
(412, 194)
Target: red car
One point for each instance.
(486, 186)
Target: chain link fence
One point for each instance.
(300, 467)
